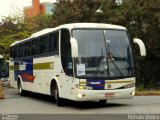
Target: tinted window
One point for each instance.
(28, 48)
(35, 46)
(21, 50)
(66, 52)
(12, 52)
(43, 46)
(17, 51)
(53, 43)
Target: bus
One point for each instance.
(76, 61)
(4, 72)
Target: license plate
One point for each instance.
(109, 94)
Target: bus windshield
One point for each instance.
(103, 53)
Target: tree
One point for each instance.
(76, 11)
(11, 31)
(142, 18)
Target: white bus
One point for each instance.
(79, 61)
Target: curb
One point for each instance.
(149, 93)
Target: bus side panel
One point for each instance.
(24, 70)
(44, 70)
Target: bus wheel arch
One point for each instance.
(52, 87)
(19, 86)
(55, 92)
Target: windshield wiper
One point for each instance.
(110, 54)
(116, 66)
(100, 59)
(111, 59)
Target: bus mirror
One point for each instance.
(141, 46)
(74, 47)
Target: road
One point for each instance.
(41, 104)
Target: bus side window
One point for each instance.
(53, 43)
(66, 59)
(17, 51)
(43, 46)
(56, 41)
(21, 50)
(47, 39)
(25, 49)
(12, 53)
(35, 46)
(28, 48)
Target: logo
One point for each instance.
(109, 86)
(9, 117)
(95, 83)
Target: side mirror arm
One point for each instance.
(141, 46)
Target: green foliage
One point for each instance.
(142, 20)
(76, 11)
(37, 23)
(11, 30)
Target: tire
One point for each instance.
(103, 102)
(59, 101)
(20, 89)
(55, 95)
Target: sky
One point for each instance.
(10, 7)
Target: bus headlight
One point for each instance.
(84, 87)
(129, 85)
(79, 95)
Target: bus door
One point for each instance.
(67, 63)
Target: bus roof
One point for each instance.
(92, 25)
(71, 26)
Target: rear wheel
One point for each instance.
(20, 90)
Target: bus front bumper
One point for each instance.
(86, 95)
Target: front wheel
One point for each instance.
(59, 101)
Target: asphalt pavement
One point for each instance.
(33, 104)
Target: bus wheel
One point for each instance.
(20, 90)
(59, 101)
(103, 102)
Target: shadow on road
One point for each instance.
(73, 104)
(13, 93)
(94, 104)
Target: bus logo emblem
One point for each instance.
(109, 86)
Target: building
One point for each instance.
(39, 8)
